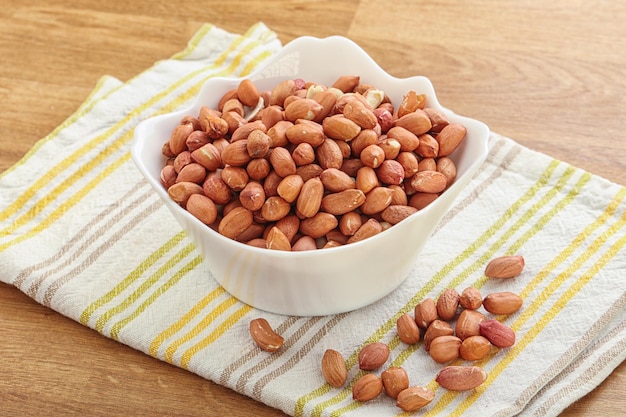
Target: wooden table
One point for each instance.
(551, 75)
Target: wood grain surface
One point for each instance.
(551, 75)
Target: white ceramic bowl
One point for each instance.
(325, 281)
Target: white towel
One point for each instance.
(82, 233)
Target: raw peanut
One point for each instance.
(450, 138)
(235, 177)
(166, 151)
(309, 171)
(351, 166)
(304, 243)
(247, 93)
(206, 111)
(257, 243)
(344, 147)
(330, 244)
(390, 147)
(258, 144)
(336, 236)
(394, 214)
(416, 122)
(461, 378)
(252, 196)
(438, 119)
(334, 368)
(427, 164)
(233, 105)
(310, 198)
(368, 229)
(289, 225)
(208, 156)
(376, 200)
(258, 169)
(282, 162)
(471, 299)
(350, 223)
(283, 90)
(366, 179)
(192, 120)
(306, 131)
(196, 139)
(168, 176)
(505, 267)
(255, 231)
(236, 153)
(428, 147)
(373, 356)
(181, 191)
(367, 387)
(327, 99)
(411, 102)
(340, 128)
(374, 97)
(178, 138)
(335, 180)
(216, 189)
(343, 201)
(468, 324)
(271, 115)
(425, 313)
(372, 156)
(304, 108)
(202, 207)
(409, 163)
(193, 172)
(448, 303)
(429, 182)
(475, 348)
(229, 95)
(270, 185)
(421, 200)
(275, 208)
(398, 197)
(182, 159)
(234, 121)
(329, 154)
(502, 302)
(243, 131)
(346, 83)
(414, 398)
(407, 329)
(318, 225)
(289, 188)
(278, 133)
(436, 329)
(232, 204)
(390, 172)
(303, 154)
(235, 222)
(385, 118)
(264, 336)
(277, 240)
(365, 138)
(407, 139)
(498, 334)
(446, 166)
(214, 126)
(445, 348)
(360, 114)
(395, 380)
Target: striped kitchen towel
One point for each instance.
(82, 233)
